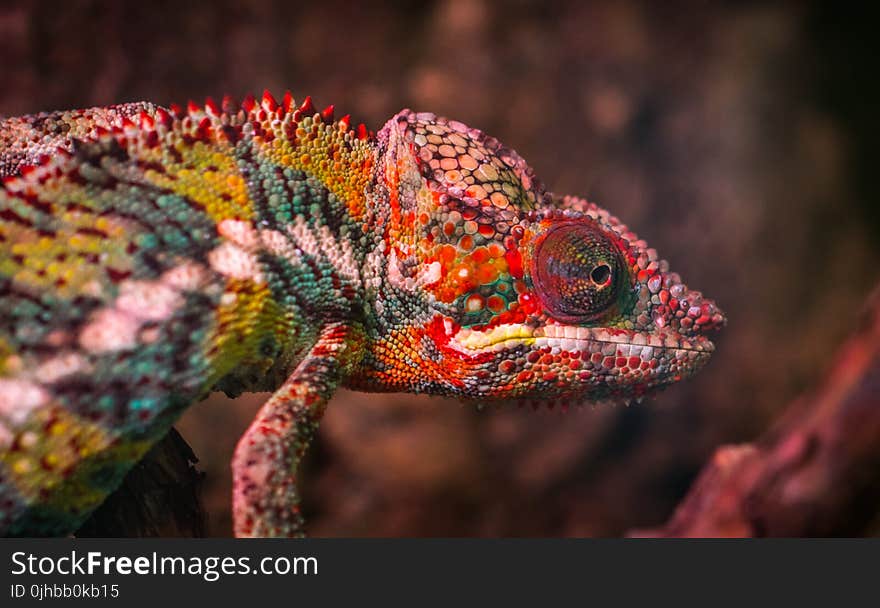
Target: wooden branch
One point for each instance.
(160, 496)
(815, 473)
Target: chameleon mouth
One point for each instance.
(573, 338)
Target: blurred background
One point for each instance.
(734, 137)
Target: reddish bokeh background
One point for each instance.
(734, 137)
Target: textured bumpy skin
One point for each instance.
(150, 256)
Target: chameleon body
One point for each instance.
(150, 256)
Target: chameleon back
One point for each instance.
(130, 287)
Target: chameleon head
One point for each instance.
(495, 289)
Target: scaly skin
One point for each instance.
(152, 256)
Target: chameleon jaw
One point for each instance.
(574, 363)
(573, 338)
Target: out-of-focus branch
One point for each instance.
(160, 496)
(815, 473)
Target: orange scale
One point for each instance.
(486, 273)
(480, 255)
(495, 303)
(523, 377)
(495, 250)
(445, 295)
(447, 255)
(466, 243)
(462, 280)
(499, 200)
(487, 230)
(506, 367)
(477, 192)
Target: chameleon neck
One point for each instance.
(307, 272)
(289, 193)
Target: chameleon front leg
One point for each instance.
(267, 458)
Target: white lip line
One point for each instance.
(709, 348)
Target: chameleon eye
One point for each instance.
(578, 272)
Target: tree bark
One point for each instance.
(161, 496)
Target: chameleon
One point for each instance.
(152, 255)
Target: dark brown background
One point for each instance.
(734, 137)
